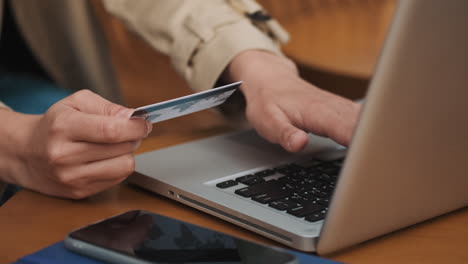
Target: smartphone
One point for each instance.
(138, 237)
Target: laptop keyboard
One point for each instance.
(301, 189)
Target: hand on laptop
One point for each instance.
(82, 145)
(283, 107)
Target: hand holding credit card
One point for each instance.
(186, 104)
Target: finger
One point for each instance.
(105, 129)
(92, 189)
(91, 103)
(104, 170)
(87, 179)
(84, 152)
(335, 120)
(279, 129)
(86, 188)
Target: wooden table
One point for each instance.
(31, 221)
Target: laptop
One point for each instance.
(407, 161)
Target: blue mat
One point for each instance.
(57, 253)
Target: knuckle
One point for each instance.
(82, 95)
(111, 109)
(110, 131)
(58, 125)
(55, 154)
(64, 179)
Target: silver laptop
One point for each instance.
(408, 160)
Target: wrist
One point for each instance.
(256, 67)
(14, 137)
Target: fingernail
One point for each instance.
(149, 126)
(124, 113)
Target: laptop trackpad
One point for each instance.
(219, 156)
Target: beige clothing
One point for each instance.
(200, 37)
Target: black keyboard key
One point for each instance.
(305, 209)
(288, 169)
(291, 180)
(258, 188)
(325, 178)
(327, 189)
(226, 184)
(307, 195)
(316, 184)
(316, 216)
(310, 163)
(283, 205)
(313, 173)
(265, 173)
(296, 199)
(331, 171)
(252, 181)
(323, 201)
(307, 185)
(271, 196)
(243, 178)
(319, 194)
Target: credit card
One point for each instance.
(186, 104)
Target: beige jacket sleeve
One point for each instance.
(200, 36)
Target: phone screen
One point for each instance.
(159, 239)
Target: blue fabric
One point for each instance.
(57, 253)
(30, 96)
